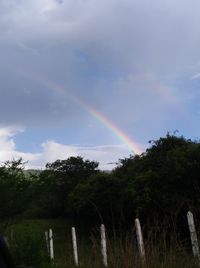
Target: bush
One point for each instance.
(28, 246)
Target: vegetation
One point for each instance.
(158, 186)
(162, 183)
(27, 244)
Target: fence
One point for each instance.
(139, 239)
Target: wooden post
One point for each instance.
(103, 245)
(140, 239)
(74, 244)
(47, 242)
(193, 235)
(51, 250)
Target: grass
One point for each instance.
(28, 246)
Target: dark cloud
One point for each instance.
(101, 51)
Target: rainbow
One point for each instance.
(133, 146)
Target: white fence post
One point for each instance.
(103, 245)
(51, 250)
(140, 239)
(193, 235)
(74, 243)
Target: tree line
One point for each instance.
(161, 183)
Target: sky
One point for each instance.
(96, 79)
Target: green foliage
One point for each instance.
(96, 196)
(73, 167)
(165, 179)
(161, 252)
(162, 182)
(27, 245)
(14, 189)
(159, 185)
(58, 181)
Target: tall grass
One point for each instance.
(163, 249)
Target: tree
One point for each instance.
(165, 178)
(58, 181)
(14, 186)
(75, 167)
(95, 198)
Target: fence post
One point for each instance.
(140, 239)
(193, 235)
(51, 250)
(103, 245)
(74, 244)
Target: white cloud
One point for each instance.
(106, 155)
(8, 149)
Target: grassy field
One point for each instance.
(27, 243)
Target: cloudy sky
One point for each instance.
(96, 78)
